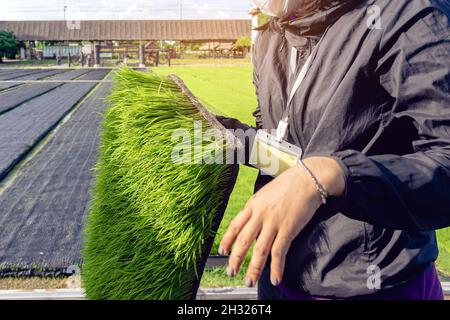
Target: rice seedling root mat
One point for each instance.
(153, 219)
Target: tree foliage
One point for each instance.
(263, 19)
(243, 42)
(8, 45)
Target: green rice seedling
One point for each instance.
(152, 220)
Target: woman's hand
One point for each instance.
(276, 215)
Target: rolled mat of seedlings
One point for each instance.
(154, 213)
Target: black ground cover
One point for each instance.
(97, 74)
(44, 74)
(42, 212)
(70, 75)
(37, 76)
(22, 128)
(20, 73)
(12, 99)
(7, 71)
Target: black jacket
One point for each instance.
(382, 91)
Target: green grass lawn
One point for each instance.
(443, 262)
(30, 63)
(207, 62)
(229, 91)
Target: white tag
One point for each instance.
(282, 130)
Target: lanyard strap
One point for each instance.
(283, 126)
(284, 123)
(300, 78)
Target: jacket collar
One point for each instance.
(315, 17)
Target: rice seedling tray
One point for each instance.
(153, 220)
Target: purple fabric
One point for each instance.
(425, 287)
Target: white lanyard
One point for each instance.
(283, 126)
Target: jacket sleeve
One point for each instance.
(409, 192)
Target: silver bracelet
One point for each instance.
(322, 192)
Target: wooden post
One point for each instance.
(22, 53)
(97, 61)
(58, 55)
(141, 55)
(157, 58)
(29, 50)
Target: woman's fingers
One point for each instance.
(234, 229)
(260, 254)
(243, 242)
(278, 255)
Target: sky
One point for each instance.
(123, 9)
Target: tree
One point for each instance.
(193, 46)
(8, 45)
(263, 19)
(243, 42)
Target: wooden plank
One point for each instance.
(203, 294)
(78, 294)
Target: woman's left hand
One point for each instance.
(275, 215)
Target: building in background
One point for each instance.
(126, 40)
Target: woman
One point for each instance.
(372, 117)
